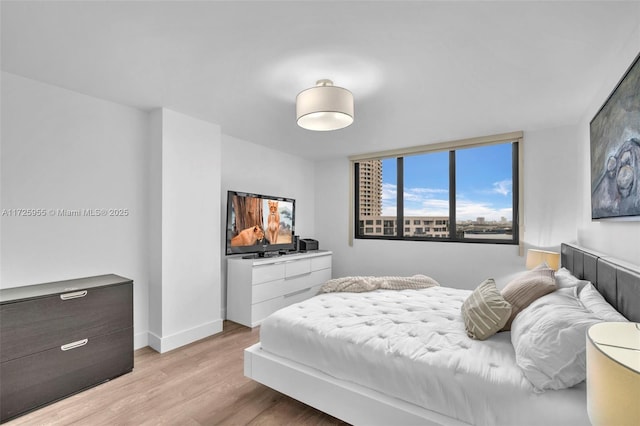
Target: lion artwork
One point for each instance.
(248, 237)
(273, 224)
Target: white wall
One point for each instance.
(618, 239)
(254, 168)
(186, 166)
(551, 176)
(65, 150)
(549, 214)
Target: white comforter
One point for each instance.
(411, 344)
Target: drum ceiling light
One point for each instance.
(324, 107)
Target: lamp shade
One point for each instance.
(613, 374)
(536, 257)
(324, 107)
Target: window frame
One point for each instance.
(451, 147)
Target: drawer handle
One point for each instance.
(73, 295)
(289, 277)
(74, 345)
(295, 293)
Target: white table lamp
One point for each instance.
(536, 257)
(613, 374)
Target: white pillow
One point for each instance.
(595, 302)
(564, 279)
(549, 338)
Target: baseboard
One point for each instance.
(155, 342)
(140, 340)
(173, 341)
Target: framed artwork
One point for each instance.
(615, 151)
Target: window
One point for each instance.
(464, 191)
(484, 200)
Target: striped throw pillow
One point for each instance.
(526, 288)
(485, 311)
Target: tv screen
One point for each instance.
(259, 223)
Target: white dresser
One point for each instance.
(259, 287)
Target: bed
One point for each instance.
(335, 353)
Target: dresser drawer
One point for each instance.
(35, 325)
(288, 286)
(260, 311)
(32, 381)
(296, 268)
(321, 262)
(266, 273)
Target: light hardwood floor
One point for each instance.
(198, 384)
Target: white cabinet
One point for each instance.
(259, 287)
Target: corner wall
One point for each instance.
(184, 206)
(65, 152)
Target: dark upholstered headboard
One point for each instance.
(617, 281)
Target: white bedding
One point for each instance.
(411, 344)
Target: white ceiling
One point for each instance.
(421, 72)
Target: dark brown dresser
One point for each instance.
(59, 338)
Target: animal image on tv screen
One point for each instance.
(260, 221)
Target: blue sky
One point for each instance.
(483, 179)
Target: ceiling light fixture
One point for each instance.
(324, 107)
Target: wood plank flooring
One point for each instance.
(199, 384)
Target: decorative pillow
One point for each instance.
(526, 288)
(595, 302)
(485, 311)
(549, 338)
(564, 279)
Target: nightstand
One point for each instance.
(613, 373)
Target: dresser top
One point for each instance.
(280, 258)
(35, 291)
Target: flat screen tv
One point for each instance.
(259, 224)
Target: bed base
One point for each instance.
(347, 401)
